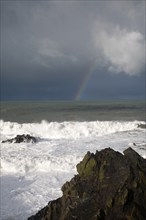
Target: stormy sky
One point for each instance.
(72, 50)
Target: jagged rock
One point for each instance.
(142, 126)
(21, 138)
(109, 185)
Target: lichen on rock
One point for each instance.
(109, 185)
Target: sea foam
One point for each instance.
(32, 173)
(67, 129)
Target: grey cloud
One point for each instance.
(119, 86)
(54, 44)
(122, 51)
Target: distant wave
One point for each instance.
(66, 129)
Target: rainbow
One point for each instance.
(84, 83)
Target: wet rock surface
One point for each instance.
(142, 126)
(21, 138)
(109, 185)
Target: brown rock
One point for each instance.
(109, 186)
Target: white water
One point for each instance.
(32, 174)
(67, 130)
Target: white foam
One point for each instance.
(66, 130)
(32, 174)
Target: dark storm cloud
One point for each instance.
(48, 47)
(120, 86)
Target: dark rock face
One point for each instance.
(142, 126)
(21, 138)
(109, 186)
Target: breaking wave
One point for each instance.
(66, 129)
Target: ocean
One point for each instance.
(28, 112)
(32, 173)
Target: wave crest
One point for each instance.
(66, 129)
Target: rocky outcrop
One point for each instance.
(21, 138)
(142, 126)
(109, 186)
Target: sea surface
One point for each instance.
(32, 173)
(28, 112)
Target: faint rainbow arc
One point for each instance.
(84, 82)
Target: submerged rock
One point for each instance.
(21, 138)
(109, 185)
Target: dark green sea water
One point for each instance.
(72, 111)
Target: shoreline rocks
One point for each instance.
(143, 126)
(21, 138)
(109, 185)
